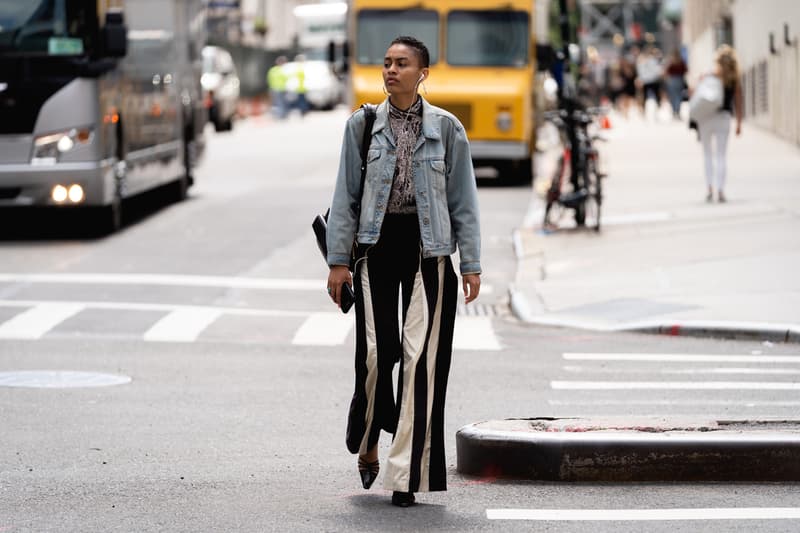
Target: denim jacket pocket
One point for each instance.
(440, 211)
(438, 180)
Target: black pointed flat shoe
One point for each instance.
(368, 471)
(403, 499)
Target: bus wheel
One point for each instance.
(178, 190)
(110, 217)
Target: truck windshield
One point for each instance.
(47, 27)
(488, 38)
(377, 28)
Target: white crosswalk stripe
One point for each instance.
(475, 333)
(674, 385)
(682, 358)
(182, 325)
(568, 515)
(187, 323)
(324, 329)
(648, 380)
(38, 320)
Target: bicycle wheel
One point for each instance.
(594, 199)
(553, 210)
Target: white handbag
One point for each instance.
(707, 99)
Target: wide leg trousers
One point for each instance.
(420, 337)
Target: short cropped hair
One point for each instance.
(418, 46)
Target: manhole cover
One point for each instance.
(59, 379)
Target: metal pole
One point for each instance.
(563, 22)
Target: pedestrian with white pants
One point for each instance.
(716, 128)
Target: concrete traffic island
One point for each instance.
(631, 449)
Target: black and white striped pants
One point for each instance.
(421, 340)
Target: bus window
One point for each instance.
(488, 38)
(377, 28)
(52, 27)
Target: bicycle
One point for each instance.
(583, 192)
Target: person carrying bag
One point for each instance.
(320, 223)
(418, 205)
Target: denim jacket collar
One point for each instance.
(430, 128)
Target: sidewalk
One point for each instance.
(666, 261)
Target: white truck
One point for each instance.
(100, 100)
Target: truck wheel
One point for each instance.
(516, 172)
(524, 171)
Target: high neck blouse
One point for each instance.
(406, 126)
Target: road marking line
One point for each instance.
(181, 325)
(324, 329)
(185, 322)
(665, 403)
(475, 333)
(170, 279)
(672, 357)
(674, 385)
(748, 371)
(136, 306)
(719, 370)
(41, 318)
(561, 515)
(230, 282)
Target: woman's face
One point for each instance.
(402, 70)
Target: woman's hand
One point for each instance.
(472, 286)
(338, 275)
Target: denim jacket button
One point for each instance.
(425, 221)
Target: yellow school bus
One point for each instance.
(483, 66)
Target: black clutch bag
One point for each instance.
(320, 226)
(320, 223)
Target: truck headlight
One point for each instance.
(503, 121)
(47, 148)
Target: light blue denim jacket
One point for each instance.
(446, 192)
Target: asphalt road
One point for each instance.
(240, 373)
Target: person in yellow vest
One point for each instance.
(298, 85)
(277, 80)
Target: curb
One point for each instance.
(546, 449)
(762, 331)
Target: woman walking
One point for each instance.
(675, 80)
(418, 204)
(717, 127)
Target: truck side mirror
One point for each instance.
(114, 34)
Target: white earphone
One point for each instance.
(421, 77)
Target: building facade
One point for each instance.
(766, 36)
